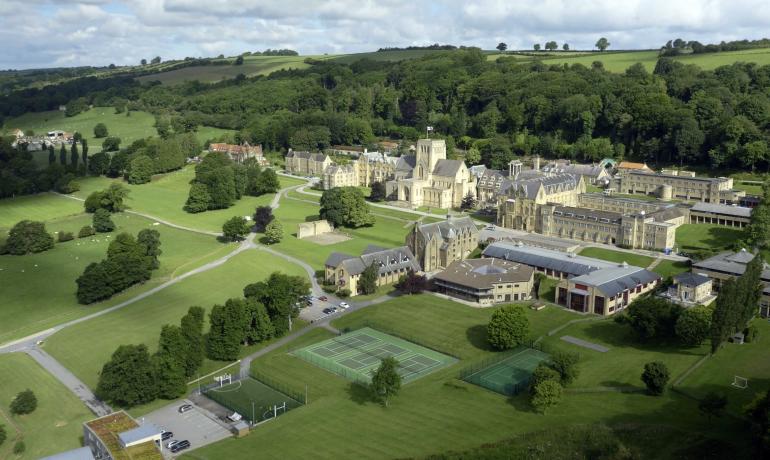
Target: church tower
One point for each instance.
(429, 151)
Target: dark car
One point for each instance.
(166, 435)
(323, 298)
(180, 446)
(185, 408)
(327, 310)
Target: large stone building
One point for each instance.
(680, 185)
(690, 289)
(594, 174)
(368, 168)
(344, 270)
(730, 265)
(520, 200)
(307, 163)
(427, 178)
(486, 281)
(240, 153)
(720, 214)
(439, 244)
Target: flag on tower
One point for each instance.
(430, 128)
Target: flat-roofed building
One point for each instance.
(681, 187)
(720, 214)
(728, 265)
(556, 264)
(486, 281)
(344, 270)
(118, 436)
(606, 291)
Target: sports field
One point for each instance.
(511, 375)
(355, 356)
(252, 399)
(617, 256)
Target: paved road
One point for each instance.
(197, 426)
(68, 379)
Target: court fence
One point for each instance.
(474, 373)
(277, 385)
(331, 366)
(387, 330)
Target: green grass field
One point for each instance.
(174, 188)
(617, 256)
(252, 399)
(439, 412)
(716, 373)
(668, 268)
(41, 207)
(56, 424)
(141, 322)
(690, 237)
(39, 289)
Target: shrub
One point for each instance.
(655, 377)
(3, 434)
(102, 221)
(343, 293)
(65, 236)
(28, 236)
(329, 289)
(565, 364)
(86, 231)
(694, 325)
(24, 403)
(546, 394)
(508, 327)
(542, 373)
(751, 333)
(19, 448)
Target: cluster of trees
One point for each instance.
(21, 175)
(219, 182)
(129, 261)
(757, 233)
(546, 385)
(433, 47)
(345, 207)
(132, 376)
(27, 237)
(549, 46)
(737, 303)
(508, 327)
(758, 413)
(678, 46)
(265, 311)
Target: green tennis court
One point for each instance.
(511, 375)
(252, 399)
(357, 354)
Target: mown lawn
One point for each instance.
(41, 207)
(56, 424)
(668, 268)
(693, 237)
(166, 195)
(622, 365)
(142, 321)
(438, 412)
(38, 290)
(617, 256)
(716, 374)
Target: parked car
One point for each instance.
(166, 435)
(490, 227)
(344, 305)
(327, 311)
(185, 408)
(180, 446)
(323, 298)
(171, 444)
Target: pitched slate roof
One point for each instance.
(296, 154)
(387, 260)
(530, 186)
(723, 209)
(614, 280)
(444, 228)
(691, 279)
(565, 262)
(483, 273)
(406, 163)
(447, 168)
(731, 263)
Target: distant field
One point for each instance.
(56, 424)
(391, 56)
(691, 237)
(617, 256)
(252, 65)
(620, 61)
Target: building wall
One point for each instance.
(701, 217)
(429, 254)
(685, 188)
(498, 293)
(522, 213)
(595, 298)
(600, 202)
(345, 280)
(315, 228)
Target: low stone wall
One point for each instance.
(314, 228)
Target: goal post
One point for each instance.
(740, 382)
(224, 378)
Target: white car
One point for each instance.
(171, 444)
(344, 305)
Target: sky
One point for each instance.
(56, 33)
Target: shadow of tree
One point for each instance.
(359, 394)
(477, 336)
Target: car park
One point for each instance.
(323, 298)
(344, 305)
(171, 444)
(166, 435)
(327, 311)
(185, 408)
(180, 446)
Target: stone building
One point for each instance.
(307, 163)
(240, 153)
(368, 168)
(427, 178)
(486, 281)
(720, 214)
(437, 245)
(340, 176)
(594, 174)
(622, 205)
(680, 185)
(344, 270)
(520, 200)
(690, 289)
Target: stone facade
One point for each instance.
(690, 289)
(344, 270)
(368, 168)
(427, 178)
(306, 163)
(439, 244)
(605, 291)
(520, 200)
(240, 153)
(680, 186)
(315, 228)
(486, 281)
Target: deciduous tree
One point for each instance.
(655, 377)
(694, 325)
(602, 44)
(508, 327)
(100, 130)
(274, 232)
(128, 378)
(28, 236)
(345, 207)
(367, 282)
(263, 215)
(386, 381)
(227, 330)
(236, 228)
(102, 222)
(546, 394)
(194, 345)
(25, 402)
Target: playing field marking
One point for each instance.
(228, 390)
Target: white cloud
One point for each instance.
(99, 32)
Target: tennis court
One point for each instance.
(239, 396)
(511, 375)
(357, 354)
